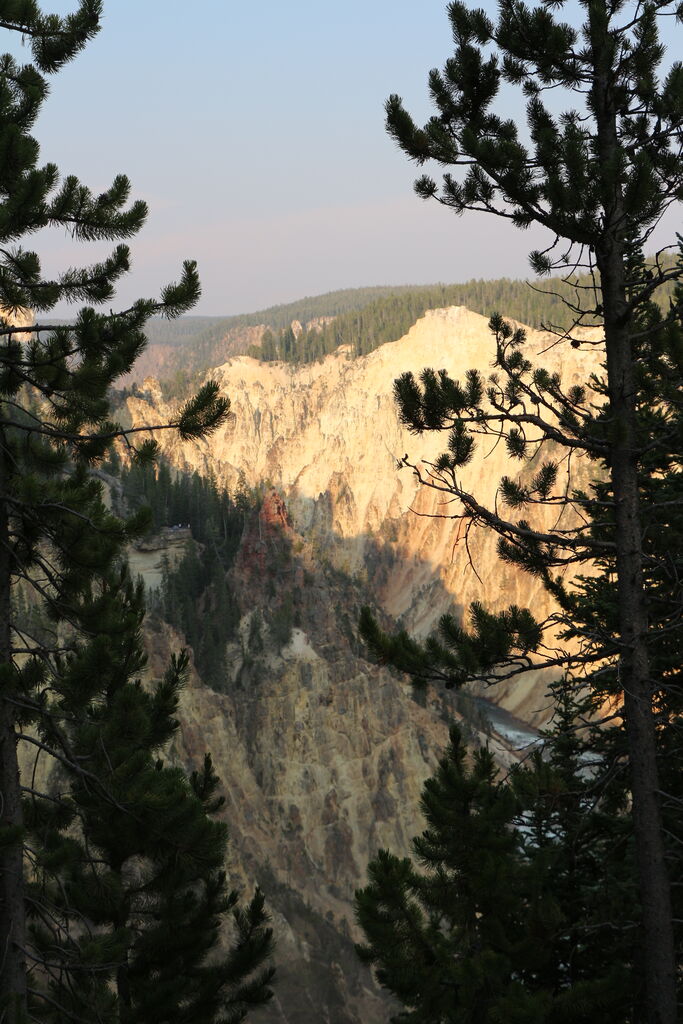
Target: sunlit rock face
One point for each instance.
(323, 755)
(19, 317)
(327, 437)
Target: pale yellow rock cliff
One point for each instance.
(327, 437)
(322, 755)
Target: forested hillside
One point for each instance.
(195, 596)
(389, 317)
(360, 318)
(345, 300)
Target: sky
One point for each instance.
(255, 132)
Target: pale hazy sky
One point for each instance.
(255, 133)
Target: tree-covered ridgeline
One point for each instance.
(197, 591)
(599, 178)
(387, 319)
(360, 319)
(69, 769)
(198, 343)
(205, 331)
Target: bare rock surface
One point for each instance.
(323, 755)
(327, 437)
(322, 758)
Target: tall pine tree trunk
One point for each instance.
(12, 911)
(658, 938)
(656, 912)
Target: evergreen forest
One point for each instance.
(542, 305)
(195, 596)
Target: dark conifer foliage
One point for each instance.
(186, 499)
(135, 885)
(67, 688)
(599, 177)
(518, 905)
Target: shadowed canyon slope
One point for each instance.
(322, 755)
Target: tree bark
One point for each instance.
(654, 886)
(12, 910)
(658, 938)
(658, 951)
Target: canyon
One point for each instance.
(323, 754)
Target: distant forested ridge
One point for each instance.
(389, 317)
(198, 342)
(346, 300)
(179, 352)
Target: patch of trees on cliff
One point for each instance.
(195, 596)
(390, 317)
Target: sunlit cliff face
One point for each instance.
(327, 437)
(18, 317)
(322, 755)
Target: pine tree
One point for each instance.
(520, 882)
(136, 854)
(590, 743)
(598, 177)
(56, 536)
(442, 939)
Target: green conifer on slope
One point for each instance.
(139, 856)
(56, 536)
(599, 177)
(515, 887)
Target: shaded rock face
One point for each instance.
(322, 755)
(164, 360)
(322, 759)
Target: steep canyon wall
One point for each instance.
(327, 437)
(323, 755)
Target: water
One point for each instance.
(515, 732)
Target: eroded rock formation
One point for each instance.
(327, 437)
(323, 755)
